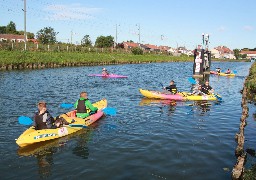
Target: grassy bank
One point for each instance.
(251, 83)
(77, 58)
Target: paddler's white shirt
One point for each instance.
(44, 117)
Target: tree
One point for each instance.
(11, 28)
(236, 53)
(2, 29)
(46, 35)
(244, 56)
(104, 41)
(86, 41)
(29, 34)
(137, 51)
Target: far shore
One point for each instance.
(10, 60)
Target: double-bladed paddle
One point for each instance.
(24, 120)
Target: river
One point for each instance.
(145, 140)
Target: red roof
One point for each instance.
(11, 36)
(248, 52)
(223, 49)
(151, 46)
(130, 44)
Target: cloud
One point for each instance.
(248, 28)
(70, 12)
(221, 29)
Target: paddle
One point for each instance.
(191, 80)
(107, 110)
(24, 120)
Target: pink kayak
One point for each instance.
(213, 72)
(159, 95)
(108, 76)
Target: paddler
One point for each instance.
(84, 107)
(206, 88)
(172, 88)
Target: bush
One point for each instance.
(137, 51)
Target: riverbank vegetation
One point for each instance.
(38, 59)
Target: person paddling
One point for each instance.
(218, 70)
(172, 88)
(206, 88)
(84, 107)
(105, 72)
(228, 71)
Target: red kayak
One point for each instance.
(108, 76)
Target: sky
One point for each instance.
(173, 23)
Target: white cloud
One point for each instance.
(248, 28)
(221, 29)
(70, 12)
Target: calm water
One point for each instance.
(145, 140)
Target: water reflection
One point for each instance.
(199, 107)
(44, 152)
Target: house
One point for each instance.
(164, 48)
(11, 37)
(222, 52)
(215, 53)
(144, 48)
(250, 54)
(130, 45)
(153, 47)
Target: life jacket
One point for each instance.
(205, 89)
(43, 121)
(81, 107)
(173, 89)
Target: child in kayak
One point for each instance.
(228, 71)
(206, 88)
(104, 72)
(172, 88)
(197, 90)
(84, 107)
(218, 70)
(44, 120)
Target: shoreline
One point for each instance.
(18, 60)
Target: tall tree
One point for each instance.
(47, 35)
(11, 28)
(236, 53)
(2, 29)
(86, 41)
(104, 41)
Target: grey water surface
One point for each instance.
(145, 140)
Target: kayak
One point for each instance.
(191, 97)
(181, 96)
(108, 76)
(222, 74)
(32, 136)
(213, 72)
(160, 95)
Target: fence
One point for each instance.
(14, 46)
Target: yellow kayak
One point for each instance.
(181, 96)
(31, 136)
(191, 97)
(224, 74)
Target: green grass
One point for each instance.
(16, 57)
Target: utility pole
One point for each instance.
(25, 32)
(71, 37)
(139, 31)
(116, 36)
